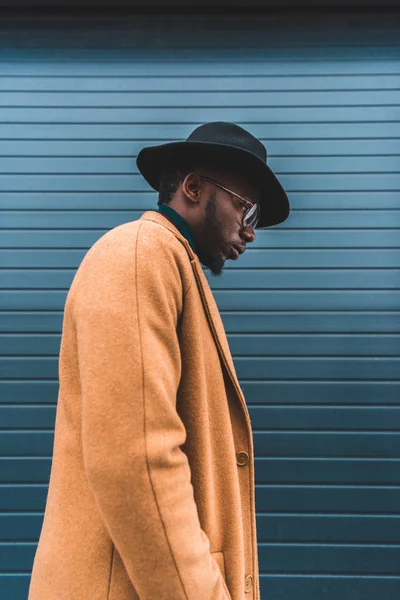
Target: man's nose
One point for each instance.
(248, 234)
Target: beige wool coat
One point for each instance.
(151, 493)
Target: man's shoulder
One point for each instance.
(145, 239)
(142, 247)
(127, 233)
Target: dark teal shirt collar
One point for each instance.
(180, 224)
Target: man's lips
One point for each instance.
(236, 250)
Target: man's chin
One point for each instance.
(217, 271)
(215, 263)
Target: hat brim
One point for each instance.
(274, 203)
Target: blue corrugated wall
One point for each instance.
(312, 311)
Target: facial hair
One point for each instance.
(210, 254)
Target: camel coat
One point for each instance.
(151, 492)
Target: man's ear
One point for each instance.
(191, 187)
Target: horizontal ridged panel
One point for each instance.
(325, 418)
(21, 527)
(327, 499)
(24, 470)
(268, 278)
(278, 470)
(382, 444)
(310, 443)
(17, 557)
(309, 200)
(350, 471)
(165, 100)
(271, 498)
(306, 320)
(294, 238)
(265, 300)
(320, 558)
(280, 528)
(336, 52)
(189, 114)
(27, 417)
(252, 259)
(173, 99)
(262, 78)
(325, 150)
(124, 182)
(157, 131)
(26, 443)
(14, 586)
(277, 558)
(325, 219)
(311, 345)
(116, 84)
(261, 322)
(322, 392)
(339, 393)
(318, 69)
(329, 529)
(318, 368)
(241, 344)
(264, 417)
(23, 497)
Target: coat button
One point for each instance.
(248, 582)
(242, 458)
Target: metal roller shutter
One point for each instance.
(312, 311)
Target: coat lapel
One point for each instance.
(210, 306)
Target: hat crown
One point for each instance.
(220, 132)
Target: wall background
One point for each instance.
(312, 310)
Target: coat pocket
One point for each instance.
(220, 560)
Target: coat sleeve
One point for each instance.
(126, 303)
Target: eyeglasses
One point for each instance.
(251, 214)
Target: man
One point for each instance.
(151, 492)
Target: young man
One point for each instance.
(151, 492)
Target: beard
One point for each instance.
(211, 239)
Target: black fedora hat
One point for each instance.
(225, 143)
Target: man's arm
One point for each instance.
(126, 307)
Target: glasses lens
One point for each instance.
(251, 217)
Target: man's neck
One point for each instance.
(180, 223)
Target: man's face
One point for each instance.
(220, 228)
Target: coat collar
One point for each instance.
(210, 306)
(180, 224)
